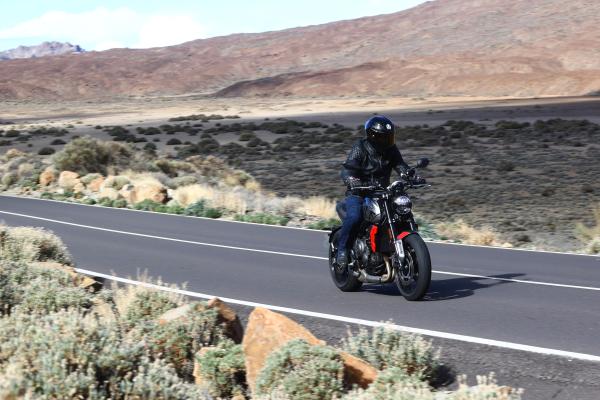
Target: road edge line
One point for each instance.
(357, 321)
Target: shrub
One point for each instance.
(87, 179)
(302, 372)
(173, 142)
(9, 179)
(386, 348)
(149, 205)
(262, 218)
(58, 142)
(224, 369)
(325, 224)
(43, 296)
(32, 244)
(590, 236)
(395, 384)
(319, 207)
(86, 155)
(461, 231)
(199, 209)
(119, 203)
(148, 305)
(46, 151)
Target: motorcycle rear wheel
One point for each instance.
(414, 277)
(342, 277)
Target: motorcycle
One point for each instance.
(387, 246)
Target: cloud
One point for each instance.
(104, 28)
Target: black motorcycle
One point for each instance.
(386, 247)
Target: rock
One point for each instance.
(82, 281)
(14, 153)
(177, 313)
(228, 318)
(108, 192)
(267, 331)
(357, 371)
(232, 326)
(144, 191)
(47, 177)
(68, 179)
(79, 187)
(95, 184)
(128, 193)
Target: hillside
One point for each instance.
(44, 49)
(442, 48)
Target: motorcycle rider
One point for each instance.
(370, 162)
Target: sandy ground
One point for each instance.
(553, 185)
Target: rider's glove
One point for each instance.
(353, 183)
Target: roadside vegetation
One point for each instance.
(69, 337)
(590, 235)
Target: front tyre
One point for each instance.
(414, 277)
(342, 277)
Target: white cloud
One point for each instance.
(104, 28)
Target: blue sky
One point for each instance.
(100, 25)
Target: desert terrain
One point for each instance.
(527, 168)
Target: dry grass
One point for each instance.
(319, 207)
(590, 235)
(463, 232)
(216, 197)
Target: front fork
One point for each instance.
(398, 246)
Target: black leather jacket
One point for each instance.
(368, 166)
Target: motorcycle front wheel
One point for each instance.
(341, 276)
(414, 277)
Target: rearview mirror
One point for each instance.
(423, 162)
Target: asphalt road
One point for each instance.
(539, 299)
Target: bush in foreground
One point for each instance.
(224, 369)
(302, 372)
(30, 245)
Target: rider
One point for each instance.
(370, 162)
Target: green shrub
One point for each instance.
(87, 179)
(119, 203)
(175, 209)
(148, 305)
(386, 348)
(105, 202)
(302, 372)
(224, 370)
(87, 155)
(47, 195)
(46, 151)
(67, 356)
(262, 218)
(89, 201)
(325, 224)
(149, 205)
(9, 178)
(43, 296)
(32, 244)
(394, 384)
(199, 209)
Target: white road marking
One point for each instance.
(419, 331)
(287, 227)
(284, 253)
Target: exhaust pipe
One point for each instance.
(366, 278)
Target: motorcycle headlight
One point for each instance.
(403, 204)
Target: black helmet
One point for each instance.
(380, 132)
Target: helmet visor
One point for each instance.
(383, 140)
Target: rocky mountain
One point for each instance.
(442, 47)
(41, 50)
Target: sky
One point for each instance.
(101, 25)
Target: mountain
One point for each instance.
(41, 50)
(440, 48)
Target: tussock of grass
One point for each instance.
(320, 207)
(590, 236)
(461, 231)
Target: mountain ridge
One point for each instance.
(440, 48)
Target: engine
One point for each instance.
(367, 260)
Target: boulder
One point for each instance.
(150, 191)
(128, 193)
(267, 331)
(82, 281)
(108, 192)
(95, 184)
(47, 177)
(79, 187)
(14, 153)
(68, 179)
(226, 317)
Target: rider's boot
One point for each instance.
(342, 258)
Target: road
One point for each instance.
(507, 297)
